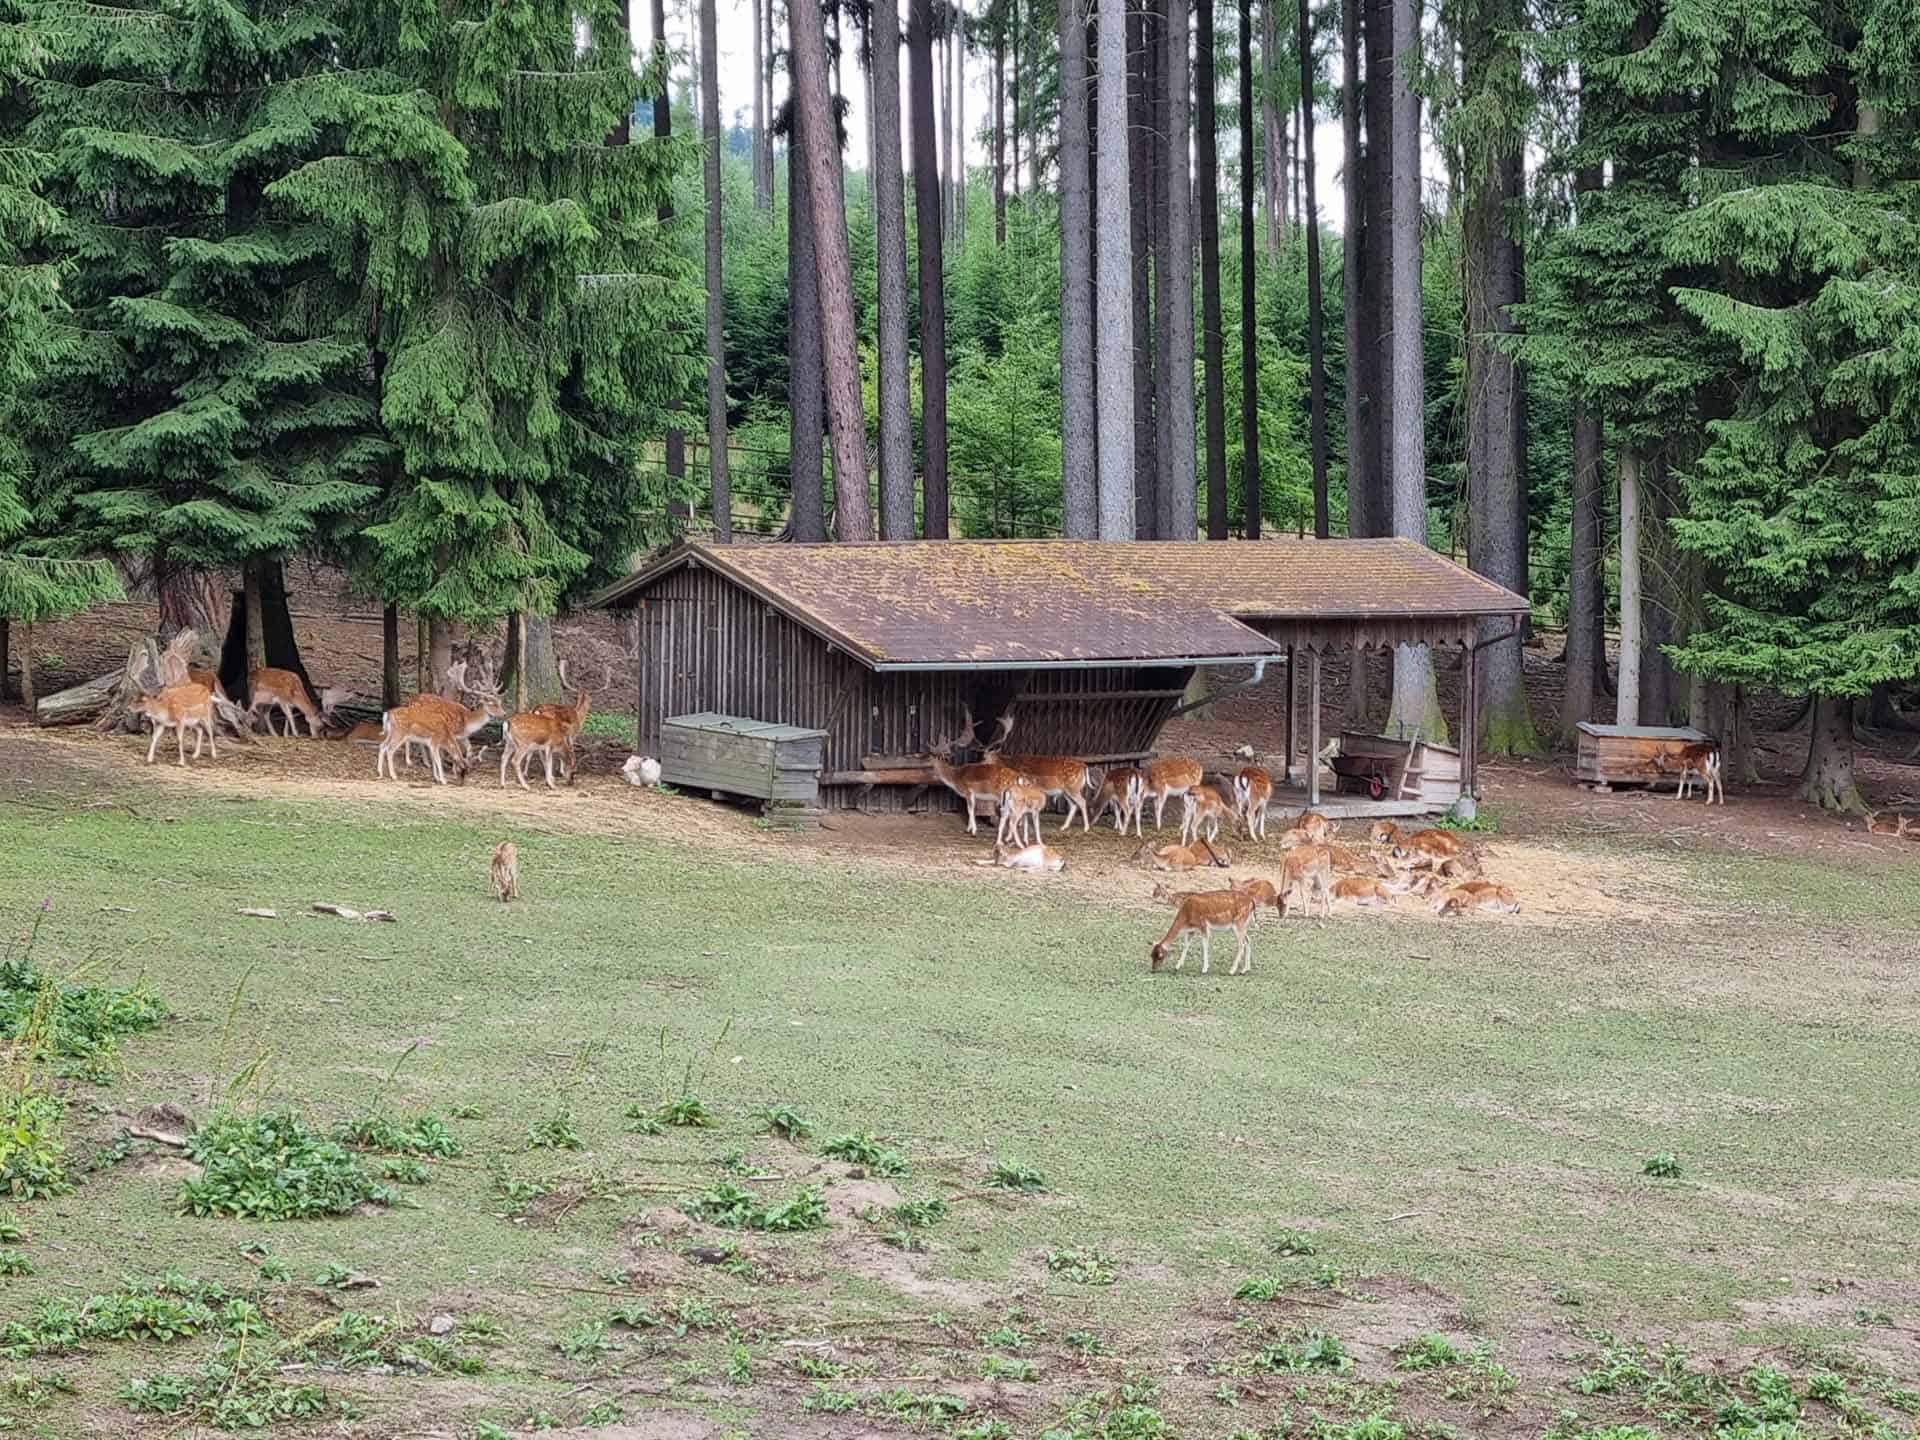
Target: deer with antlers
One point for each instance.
(444, 727)
(1057, 775)
(987, 779)
(1123, 790)
(573, 717)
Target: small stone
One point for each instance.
(440, 1325)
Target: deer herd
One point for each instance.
(1315, 868)
(443, 728)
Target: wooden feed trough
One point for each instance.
(731, 755)
(1383, 768)
(1612, 755)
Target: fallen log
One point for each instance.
(80, 703)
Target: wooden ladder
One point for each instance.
(1407, 771)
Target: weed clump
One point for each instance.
(422, 1135)
(272, 1167)
(729, 1206)
(861, 1148)
(33, 1149)
(1661, 1167)
(1016, 1177)
(79, 1024)
(1083, 1266)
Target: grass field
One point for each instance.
(1453, 1119)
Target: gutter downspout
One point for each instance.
(1259, 674)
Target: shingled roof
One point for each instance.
(1018, 603)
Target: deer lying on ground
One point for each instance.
(1701, 761)
(506, 871)
(1384, 832)
(1059, 775)
(1020, 807)
(1204, 805)
(1182, 857)
(1168, 778)
(1476, 895)
(1252, 793)
(1033, 859)
(1203, 913)
(1428, 847)
(987, 779)
(1123, 790)
(1361, 890)
(1898, 826)
(1352, 862)
(179, 708)
(1304, 873)
(270, 690)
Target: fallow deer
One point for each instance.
(1205, 805)
(1318, 828)
(405, 726)
(1305, 872)
(1033, 859)
(1203, 913)
(986, 779)
(270, 690)
(1476, 895)
(1384, 832)
(1701, 762)
(574, 717)
(461, 721)
(1361, 890)
(1020, 807)
(1263, 893)
(1167, 778)
(527, 734)
(1428, 847)
(1059, 775)
(1353, 862)
(1123, 790)
(1897, 827)
(1182, 857)
(1252, 793)
(506, 871)
(179, 708)
(208, 678)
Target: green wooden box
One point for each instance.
(742, 757)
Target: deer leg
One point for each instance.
(547, 755)
(1159, 809)
(506, 752)
(180, 736)
(1206, 948)
(154, 744)
(1186, 939)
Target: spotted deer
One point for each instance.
(1033, 859)
(1203, 913)
(506, 871)
(179, 708)
(1057, 775)
(1123, 790)
(984, 780)
(524, 736)
(1182, 857)
(573, 717)
(270, 691)
(462, 722)
(1020, 806)
(1252, 793)
(1307, 872)
(1361, 890)
(1167, 778)
(1204, 806)
(1700, 762)
(1476, 895)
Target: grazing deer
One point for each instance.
(1205, 805)
(1385, 832)
(1182, 857)
(1034, 859)
(270, 690)
(1898, 827)
(1361, 890)
(642, 770)
(1168, 778)
(1304, 873)
(1702, 761)
(506, 871)
(1203, 913)
(1123, 790)
(1059, 775)
(986, 779)
(179, 708)
(1263, 893)
(1020, 807)
(1476, 895)
(1252, 793)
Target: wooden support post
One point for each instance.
(1313, 729)
(1293, 705)
(29, 693)
(1470, 725)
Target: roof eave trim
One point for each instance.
(1133, 662)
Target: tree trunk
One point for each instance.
(1153, 510)
(1077, 426)
(1207, 197)
(1358, 343)
(721, 490)
(663, 130)
(256, 619)
(6, 659)
(29, 693)
(1140, 130)
(1272, 133)
(805, 473)
(531, 643)
(999, 127)
(839, 338)
(1827, 780)
(1250, 478)
(188, 599)
(1316, 309)
(1376, 279)
(389, 656)
(1586, 580)
(1416, 701)
(440, 654)
(1656, 598)
(1013, 90)
(890, 236)
(1627, 690)
(933, 302)
(1496, 546)
(1176, 360)
(762, 154)
(1114, 328)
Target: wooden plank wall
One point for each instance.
(706, 644)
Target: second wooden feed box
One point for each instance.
(742, 757)
(1632, 754)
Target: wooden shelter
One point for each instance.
(887, 646)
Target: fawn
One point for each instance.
(1201, 914)
(1197, 856)
(1361, 890)
(1305, 872)
(506, 871)
(1205, 805)
(179, 708)
(1034, 859)
(1476, 895)
(1020, 807)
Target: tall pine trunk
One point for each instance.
(1586, 580)
(389, 655)
(762, 157)
(530, 637)
(1250, 478)
(1273, 142)
(1627, 688)
(1656, 595)
(187, 599)
(1207, 197)
(29, 692)
(839, 338)
(805, 401)
(1077, 423)
(255, 611)
(1176, 359)
(1316, 307)
(663, 130)
(1114, 321)
(721, 490)
(1140, 131)
(890, 238)
(933, 300)
(1416, 700)
(1827, 781)
(999, 125)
